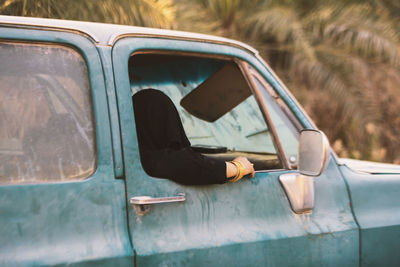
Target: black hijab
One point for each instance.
(160, 125)
(164, 148)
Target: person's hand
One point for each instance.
(249, 167)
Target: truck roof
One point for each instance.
(108, 34)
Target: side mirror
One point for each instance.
(313, 152)
(313, 158)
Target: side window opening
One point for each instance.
(219, 113)
(47, 130)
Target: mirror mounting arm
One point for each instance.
(299, 190)
(314, 156)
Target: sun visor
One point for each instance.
(217, 95)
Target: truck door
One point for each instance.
(248, 223)
(60, 203)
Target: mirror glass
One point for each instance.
(313, 152)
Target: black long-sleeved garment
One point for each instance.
(165, 150)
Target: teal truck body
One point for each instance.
(80, 199)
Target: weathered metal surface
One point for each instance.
(248, 223)
(376, 206)
(81, 222)
(370, 167)
(105, 55)
(108, 34)
(64, 223)
(299, 190)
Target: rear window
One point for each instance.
(46, 121)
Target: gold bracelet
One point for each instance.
(240, 173)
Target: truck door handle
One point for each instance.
(141, 204)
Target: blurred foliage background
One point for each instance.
(340, 58)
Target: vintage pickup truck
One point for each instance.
(73, 190)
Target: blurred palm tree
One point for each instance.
(341, 59)
(151, 13)
(341, 54)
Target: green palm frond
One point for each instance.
(357, 28)
(152, 13)
(336, 52)
(228, 15)
(323, 75)
(158, 13)
(192, 16)
(283, 25)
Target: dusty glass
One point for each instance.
(46, 121)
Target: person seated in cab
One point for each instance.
(165, 151)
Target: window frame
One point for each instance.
(246, 72)
(127, 46)
(251, 74)
(267, 117)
